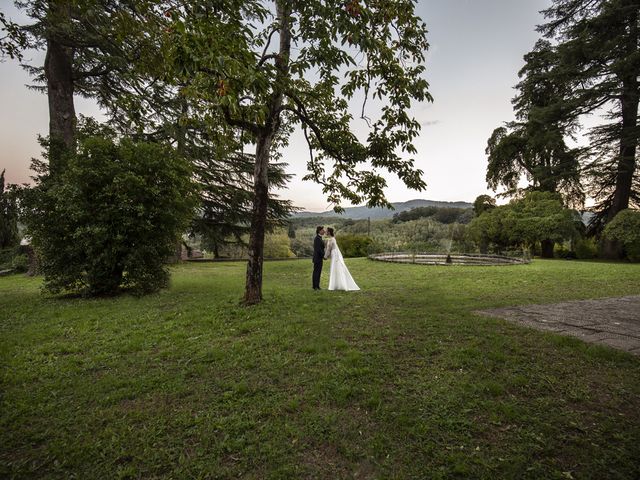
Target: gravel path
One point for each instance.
(610, 321)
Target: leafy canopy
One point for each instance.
(534, 146)
(537, 217)
(227, 55)
(625, 228)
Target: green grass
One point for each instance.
(400, 380)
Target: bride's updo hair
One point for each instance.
(330, 230)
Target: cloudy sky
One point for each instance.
(476, 52)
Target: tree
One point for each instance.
(439, 214)
(90, 47)
(598, 55)
(489, 229)
(113, 51)
(14, 40)
(541, 217)
(228, 52)
(112, 218)
(225, 177)
(483, 203)
(534, 146)
(8, 214)
(625, 229)
(291, 231)
(538, 217)
(414, 214)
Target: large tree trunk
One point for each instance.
(628, 142)
(58, 71)
(546, 247)
(253, 287)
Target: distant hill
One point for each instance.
(359, 213)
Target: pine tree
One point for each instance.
(90, 46)
(599, 55)
(534, 146)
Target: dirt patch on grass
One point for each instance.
(614, 322)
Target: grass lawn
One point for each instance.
(400, 380)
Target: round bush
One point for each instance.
(625, 228)
(354, 245)
(112, 219)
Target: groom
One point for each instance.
(318, 257)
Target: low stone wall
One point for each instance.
(447, 259)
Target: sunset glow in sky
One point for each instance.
(476, 52)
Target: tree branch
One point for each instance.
(96, 72)
(304, 117)
(264, 55)
(237, 122)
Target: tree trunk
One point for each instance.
(34, 261)
(611, 249)
(58, 71)
(177, 253)
(628, 141)
(628, 144)
(546, 247)
(253, 286)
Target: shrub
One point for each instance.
(8, 214)
(302, 247)
(20, 263)
(276, 245)
(6, 258)
(13, 259)
(112, 218)
(625, 229)
(586, 248)
(354, 245)
(560, 250)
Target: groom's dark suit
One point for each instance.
(318, 257)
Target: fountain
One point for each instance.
(447, 258)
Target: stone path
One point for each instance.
(609, 321)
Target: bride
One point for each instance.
(340, 278)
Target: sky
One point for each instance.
(476, 50)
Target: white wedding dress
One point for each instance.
(339, 278)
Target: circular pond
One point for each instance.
(447, 259)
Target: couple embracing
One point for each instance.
(339, 278)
